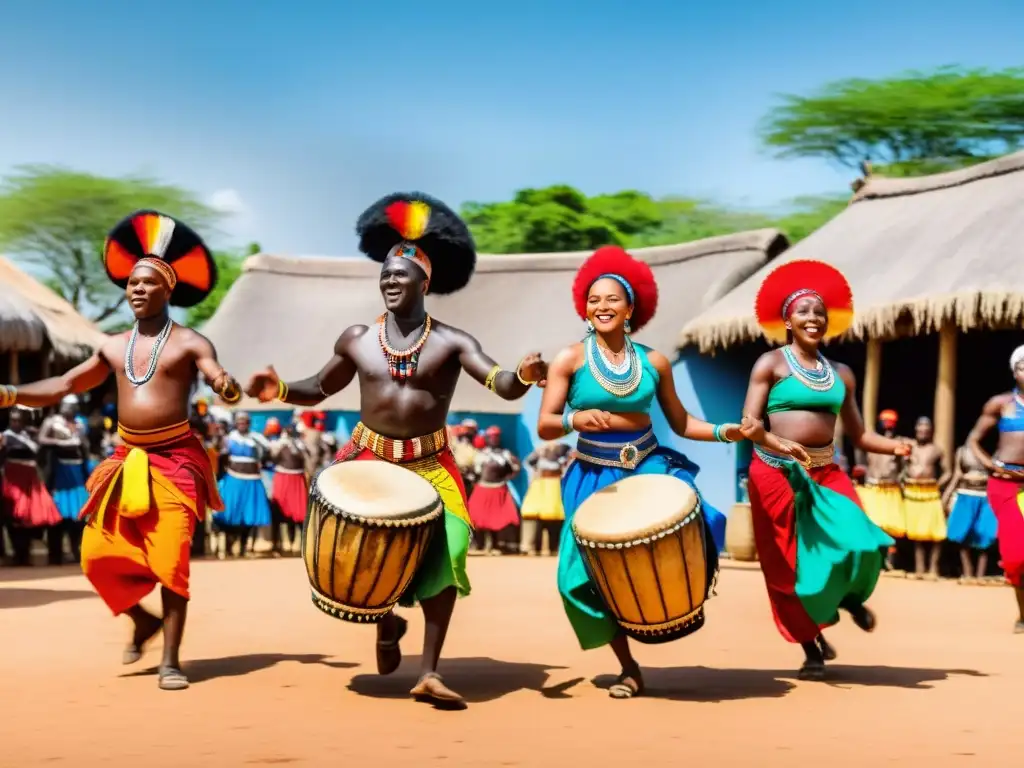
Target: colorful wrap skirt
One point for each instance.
(245, 502)
(492, 507)
(590, 618)
(543, 500)
(972, 523)
(926, 518)
(1005, 496)
(26, 502)
(816, 546)
(883, 503)
(444, 565)
(290, 493)
(69, 493)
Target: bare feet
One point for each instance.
(146, 627)
(628, 685)
(431, 690)
(389, 654)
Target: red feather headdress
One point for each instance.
(795, 279)
(168, 246)
(613, 260)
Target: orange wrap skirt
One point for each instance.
(143, 505)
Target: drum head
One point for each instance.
(634, 507)
(376, 490)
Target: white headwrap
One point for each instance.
(70, 400)
(1016, 357)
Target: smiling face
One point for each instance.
(402, 285)
(608, 306)
(808, 320)
(147, 292)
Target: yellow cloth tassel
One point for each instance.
(135, 499)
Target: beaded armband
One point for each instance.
(282, 390)
(8, 395)
(489, 381)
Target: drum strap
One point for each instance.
(397, 450)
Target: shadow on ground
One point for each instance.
(708, 684)
(19, 597)
(201, 670)
(36, 572)
(476, 679)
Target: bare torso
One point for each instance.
(69, 444)
(416, 406)
(883, 469)
(973, 477)
(163, 400)
(924, 462)
(288, 454)
(497, 465)
(1010, 448)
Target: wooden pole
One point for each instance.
(944, 417)
(12, 370)
(872, 378)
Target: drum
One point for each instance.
(368, 526)
(642, 540)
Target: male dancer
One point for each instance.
(62, 434)
(144, 500)
(926, 474)
(882, 495)
(407, 364)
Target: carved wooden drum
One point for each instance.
(642, 540)
(367, 529)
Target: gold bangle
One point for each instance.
(489, 381)
(282, 390)
(519, 376)
(230, 393)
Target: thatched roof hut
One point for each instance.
(928, 250)
(31, 315)
(290, 311)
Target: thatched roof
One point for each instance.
(31, 314)
(290, 311)
(932, 248)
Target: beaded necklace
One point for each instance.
(401, 362)
(821, 378)
(620, 380)
(158, 346)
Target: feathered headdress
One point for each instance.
(634, 275)
(423, 230)
(171, 248)
(794, 280)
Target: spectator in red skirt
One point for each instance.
(28, 508)
(492, 507)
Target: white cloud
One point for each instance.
(227, 201)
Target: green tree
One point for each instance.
(229, 269)
(58, 219)
(919, 122)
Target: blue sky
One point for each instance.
(296, 115)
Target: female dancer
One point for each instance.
(27, 505)
(1006, 413)
(64, 435)
(542, 510)
(609, 384)
(246, 506)
(818, 550)
(972, 523)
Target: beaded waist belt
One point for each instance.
(883, 485)
(287, 471)
(970, 492)
(487, 484)
(153, 438)
(623, 455)
(920, 490)
(817, 457)
(1008, 465)
(245, 476)
(397, 450)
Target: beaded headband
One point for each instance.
(788, 303)
(621, 281)
(165, 270)
(413, 253)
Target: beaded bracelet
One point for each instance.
(567, 418)
(8, 395)
(489, 381)
(720, 433)
(519, 375)
(282, 390)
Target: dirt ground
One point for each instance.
(277, 682)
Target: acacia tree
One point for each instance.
(908, 125)
(58, 219)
